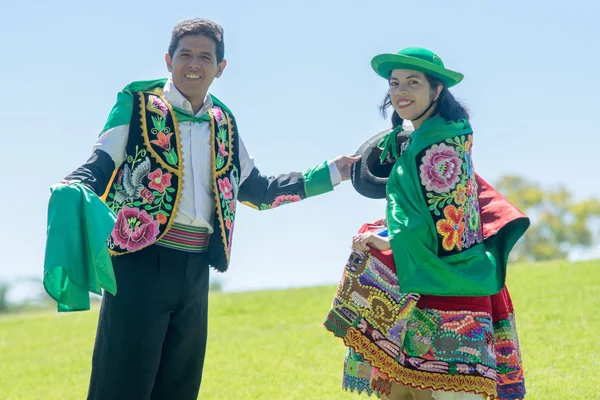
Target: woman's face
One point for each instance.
(411, 93)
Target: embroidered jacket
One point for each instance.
(144, 191)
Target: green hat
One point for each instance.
(418, 59)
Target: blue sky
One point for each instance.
(300, 84)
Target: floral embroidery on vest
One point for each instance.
(144, 193)
(448, 183)
(223, 144)
(225, 174)
(162, 133)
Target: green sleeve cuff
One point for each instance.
(317, 180)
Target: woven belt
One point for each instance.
(192, 239)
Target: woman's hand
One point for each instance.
(380, 222)
(366, 240)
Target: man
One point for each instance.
(171, 165)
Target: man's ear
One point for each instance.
(221, 67)
(169, 62)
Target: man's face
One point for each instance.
(194, 66)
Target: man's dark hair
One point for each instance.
(198, 26)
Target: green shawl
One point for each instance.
(433, 217)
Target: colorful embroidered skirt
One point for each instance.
(462, 344)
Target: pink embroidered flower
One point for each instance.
(225, 188)
(163, 140)
(156, 105)
(232, 207)
(451, 228)
(285, 199)
(440, 171)
(147, 195)
(222, 150)
(219, 117)
(134, 229)
(159, 181)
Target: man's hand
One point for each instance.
(344, 163)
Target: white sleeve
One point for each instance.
(334, 173)
(113, 142)
(246, 162)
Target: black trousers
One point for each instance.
(151, 337)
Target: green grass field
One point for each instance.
(271, 344)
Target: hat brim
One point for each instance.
(384, 64)
(369, 176)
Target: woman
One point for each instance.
(422, 304)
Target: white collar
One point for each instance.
(175, 98)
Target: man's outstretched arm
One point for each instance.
(265, 192)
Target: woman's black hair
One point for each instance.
(447, 106)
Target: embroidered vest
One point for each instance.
(145, 190)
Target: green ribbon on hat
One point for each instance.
(183, 116)
(387, 144)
